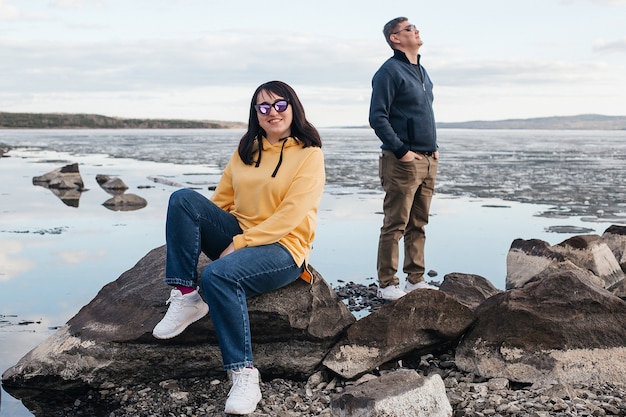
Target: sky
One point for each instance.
(203, 59)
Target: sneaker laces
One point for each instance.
(175, 303)
(241, 379)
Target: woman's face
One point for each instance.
(277, 125)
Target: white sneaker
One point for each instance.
(408, 287)
(245, 393)
(183, 310)
(390, 292)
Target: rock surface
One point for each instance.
(558, 329)
(113, 185)
(615, 238)
(406, 392)
(554, 344)
(596, 256)
(67, 177)
(421, 320)
(125, 202)
(65, 182)
(110, 339)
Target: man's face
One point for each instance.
(407, 35)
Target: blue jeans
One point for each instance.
(195, 224)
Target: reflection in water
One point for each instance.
(70, 198)
(121, 200)
(66, 183)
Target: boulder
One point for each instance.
(66, 183)
(110, 339)
(112, 185)
(615, 238)
(468, 289)
(421, 320)
(125, 202)
(402, 393)
(67, 177)
(560, 328)
(527, 258)
(590, 252)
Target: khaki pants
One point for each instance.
(409, 188)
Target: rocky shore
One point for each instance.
(469, 394)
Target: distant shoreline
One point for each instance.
(96, 121)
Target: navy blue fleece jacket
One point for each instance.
(401, 111)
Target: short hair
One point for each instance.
(301, 128)
(390, 27)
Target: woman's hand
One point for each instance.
(229, 249)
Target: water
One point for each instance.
(493, 187)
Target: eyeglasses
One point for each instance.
(265, 108)
(410, 28)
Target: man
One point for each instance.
(402, 116)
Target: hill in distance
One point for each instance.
(96, 121)
(580, 122)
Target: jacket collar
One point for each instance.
(397, 54)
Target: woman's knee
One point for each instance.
(209, 280)
(179, 196)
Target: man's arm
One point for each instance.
(383, 93)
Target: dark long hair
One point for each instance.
(306, 133)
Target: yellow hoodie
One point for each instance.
(271, 209)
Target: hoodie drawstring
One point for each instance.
(280, 158)
(260, 144)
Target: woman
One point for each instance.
(258, 228)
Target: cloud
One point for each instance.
(75, 4)
(614, 46)
(522, 72)
(153, 64)
(611, 2)
(77, 257)
(11, 265)
(8, 11)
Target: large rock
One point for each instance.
(527, 258)
(558, 328)
(421, 320)
(67, 177)
(590, 252)
(66, 183)
(110, 339)
(615, 238)
(403, 393)
(468, 289)
(112, 185)
(125, 202)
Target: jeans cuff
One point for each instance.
(179, 281)
(238, 365)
